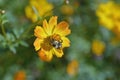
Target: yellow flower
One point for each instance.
(116, 17)
(109, 16)
(116, 30)
(67, 9)
(98, 47)
(51, 38)
(72, 68)
(105, 13)
(20, 75)
(38, 8)
(115, 41)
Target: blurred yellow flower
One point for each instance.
(20, 75)
(67, 9)
(116, 30)
(72, 68)
(116, 17)
(114, 41)
(76, 4)
(51, 38)
(109, 16)
(38, 8)
(98, 47)
(105, 13)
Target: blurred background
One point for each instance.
(94, 53)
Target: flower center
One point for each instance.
(52, 41)
(55, 41)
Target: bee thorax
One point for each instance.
(56, 44)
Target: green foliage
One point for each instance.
(17, 50)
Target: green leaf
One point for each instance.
(10, 37)
(12, 48)
(23, 43)
(17, 32)
(1, 37)
(4, 21)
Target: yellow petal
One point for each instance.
(72, 68)
(37, 44)
(20, 75)
(58, 52)
(98, 47)
(30, 14)
(46, 27)
(62, 29)
(52, 23)
(39, 32)
(45, 55)
(50, 27)
(66, 42)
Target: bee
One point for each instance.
(56, 41)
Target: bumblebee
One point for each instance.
(56, 41)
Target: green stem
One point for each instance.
(3, 30)
(28, 30)
(23, 35)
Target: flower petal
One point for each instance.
(30, 14)
(58, 52)
(37, 44)
(39, 32)
(52, 23)
(45, 55)
(50, 27)
(62, 29)
(66, 42)
(46, 27)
